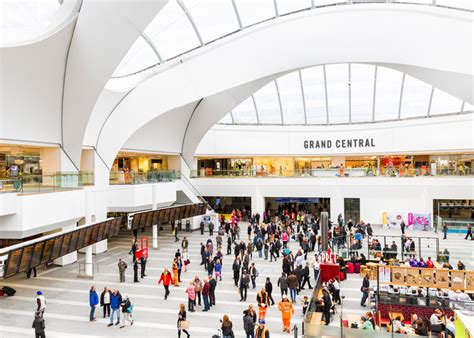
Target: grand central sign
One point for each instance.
(339, 143)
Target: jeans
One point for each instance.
(91, 314)
(364, 298)
(293, 295)
(284, 292)
(243, 294)
(206, 302)
(316, 274)
(117, 311)
(250, 335)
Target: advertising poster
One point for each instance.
(421, 221)
(384, 274)
(457, 280)
(442, 279)
(394, 219)
(427, 278)
(398, 275)
(470, 281)
(413, 276)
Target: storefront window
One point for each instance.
(140, 163)
(17, 161)
(271, 166)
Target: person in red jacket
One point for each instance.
(166, 278)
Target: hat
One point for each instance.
(261, 321)
(39, 293)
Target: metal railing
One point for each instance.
(58, 181)
(152, 176)
(329, 172)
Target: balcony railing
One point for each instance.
(153, 176)
(59, 181)
(331, 172)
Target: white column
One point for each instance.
(99, 199)
(154, 206)
(258, 202)
(88, 266)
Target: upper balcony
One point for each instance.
(402, 172)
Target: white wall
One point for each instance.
(140, 196)
(43, 212)
(377, 194)
(428, 135)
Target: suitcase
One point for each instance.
(357, 268)
(350, 267)
(9, 291)
(341, 276)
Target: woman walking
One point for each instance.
(227, 327)
(183, 324)
(127, 309)
(166, 279)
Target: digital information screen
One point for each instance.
(37, 254)
(57, 247)
(73, 242)
(26, 258)
(13, 263)
(48, 247)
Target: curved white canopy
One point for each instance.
(184, 25)
(343, 93)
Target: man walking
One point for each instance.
(244, 285)
(38, 325)
(135, 272)
(166, 279)
(212, 290)
(293, 285)
(142, 266)
(365, 290)
(262, 301)
(40, 303)
(205, 295)
(236, 269)
(283, 284)
(469, 232)
(93, 301)
(122, 266)
(269, 289)
(211, 229)
(115, 301)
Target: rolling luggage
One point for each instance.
(350, 267)
(9, 291)
(341, 276)
(357, 268)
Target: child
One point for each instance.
(185, 261)
(305, 305)
(218, 269)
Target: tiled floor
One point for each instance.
(67, 296)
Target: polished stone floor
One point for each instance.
(67, 295)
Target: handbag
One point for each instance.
(184, 325)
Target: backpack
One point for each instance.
(248, 324)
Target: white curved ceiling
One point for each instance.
(343, 93)
(184, 25)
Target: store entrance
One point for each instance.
(456, 214)
(277, 206)
(225, 205)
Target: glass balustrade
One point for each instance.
(152, 176)
(59, 181)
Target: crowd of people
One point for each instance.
(268, 239)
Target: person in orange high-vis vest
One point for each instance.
(175, 274)
(262, 300)
(286, 309)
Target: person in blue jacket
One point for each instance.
(115, 301)
(93, 301)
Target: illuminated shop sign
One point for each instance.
(339, 143)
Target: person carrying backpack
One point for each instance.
(127, 309)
